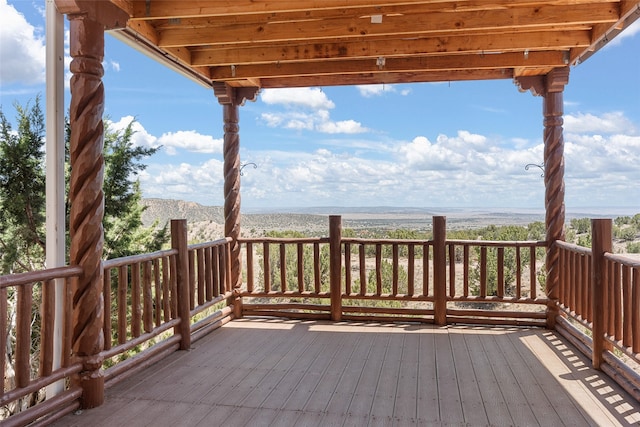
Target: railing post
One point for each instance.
(601, 242)
(439, 270)
(179, 242)
(335, 266)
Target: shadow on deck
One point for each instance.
(260, 372)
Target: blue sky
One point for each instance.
(458, 144)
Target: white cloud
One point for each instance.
(608, 123)
(114, 65)
(466, 169)
(189, 140)
(184, 181)
(345, 126)
(318, 121)
(307, 97)
(26, 63)
(369, 91)
(140, 137)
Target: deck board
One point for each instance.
(257, 372)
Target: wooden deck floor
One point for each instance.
(257, 372)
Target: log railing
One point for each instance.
(154, 304)
(599, 300)
(294, 272)
(28, 310)
(143, 296)
(395, 279)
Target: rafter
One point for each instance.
(171, 9)
(386, 78)
(275, 43)
(395, 65)
(414, 25)
(477, 44)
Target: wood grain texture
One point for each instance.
(259, 371)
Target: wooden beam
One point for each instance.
(385, 78)
(170, 9)
(107, 14)
(413, 25)
(372, 65)
(478, 44)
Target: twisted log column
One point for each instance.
(554, 195)
(231, 151)
(231, 99)
(551, 87)
(87, 202)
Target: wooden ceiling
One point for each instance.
(287, 43)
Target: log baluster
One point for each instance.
(335, 266)
(439, 270)
(601, 243)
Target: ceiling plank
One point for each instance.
(171, 9)
(389, 48)
(451, 62)
(386, 78)
(406, 25)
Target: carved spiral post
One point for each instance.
(231, 98)
(87, 202)
(551, 87)
(231, 150)
(554, 190)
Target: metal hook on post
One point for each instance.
(538, 166)
(245, 164)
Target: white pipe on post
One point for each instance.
(55, 193)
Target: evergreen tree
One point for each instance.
(22, 193)
(22, 190)
(124, 233)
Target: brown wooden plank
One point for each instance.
(531, 380)
(517, 404)
(331, 378)
(305, 389)
(428, 410)
(450, 405)
(289, 366)
(353, 370)
(568, 386)
(384, 400)
(494, 402)
(364, 392)
(275, 372)
(405, 405)
(470, 394)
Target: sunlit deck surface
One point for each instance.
(258, 372)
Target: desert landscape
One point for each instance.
(207, 222)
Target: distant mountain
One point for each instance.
(212, 217)
(164, 210)
(316, 218)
